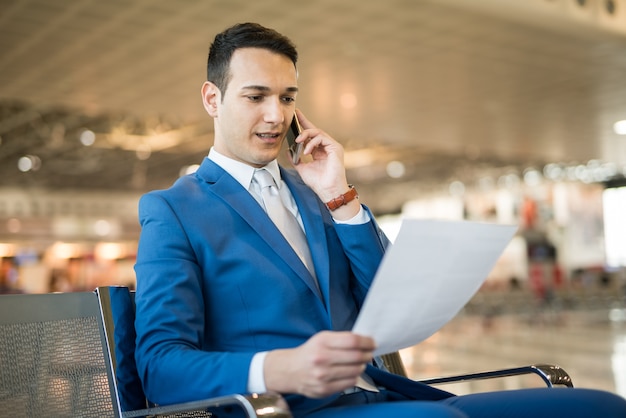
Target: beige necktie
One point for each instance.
(283, 219)
(291, 230)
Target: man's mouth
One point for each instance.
(268, 136)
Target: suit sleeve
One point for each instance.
(170, 319)
(364, 245)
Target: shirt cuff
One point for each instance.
(256, 380)
(360, 218)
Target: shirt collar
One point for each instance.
(243, 172)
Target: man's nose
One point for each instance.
(273, 111)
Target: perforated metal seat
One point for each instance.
(52, 359)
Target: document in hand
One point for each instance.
(432, 270)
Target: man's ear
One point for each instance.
(211, 96)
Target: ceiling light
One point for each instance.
(508, 181)
(620, 127)
(583, 174)
(486, 183)
(553, 171)
(456, 188)
(28, 163)
(395, 169)
(102, 227)
(532, 177)
(87, 137)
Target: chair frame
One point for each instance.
(550, 374)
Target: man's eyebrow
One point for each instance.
(265, 88)
(255, 87)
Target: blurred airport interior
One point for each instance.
(484, 110)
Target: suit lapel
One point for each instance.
(225, 187)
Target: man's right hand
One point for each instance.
(327, 363)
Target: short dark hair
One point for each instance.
(243, 35)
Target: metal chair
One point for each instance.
(52, 359)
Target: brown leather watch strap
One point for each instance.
(344, 199)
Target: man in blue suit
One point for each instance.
(226, 305)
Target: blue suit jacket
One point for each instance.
(217, 283)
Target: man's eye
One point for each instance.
(289, 99)
(255, 98)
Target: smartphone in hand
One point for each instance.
(295, 149)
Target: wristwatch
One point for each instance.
(343, 199)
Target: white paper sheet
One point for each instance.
(432, 270)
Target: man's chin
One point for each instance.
(266, 156)
(261, 161)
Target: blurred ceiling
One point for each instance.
(451, 89)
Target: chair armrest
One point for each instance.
(550, 374)
(267, 405)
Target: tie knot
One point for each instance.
(264, 178)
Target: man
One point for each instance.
(225, 304)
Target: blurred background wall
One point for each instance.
(498, 111)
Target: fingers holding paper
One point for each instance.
(327, 363)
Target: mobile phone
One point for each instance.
(295, 149)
